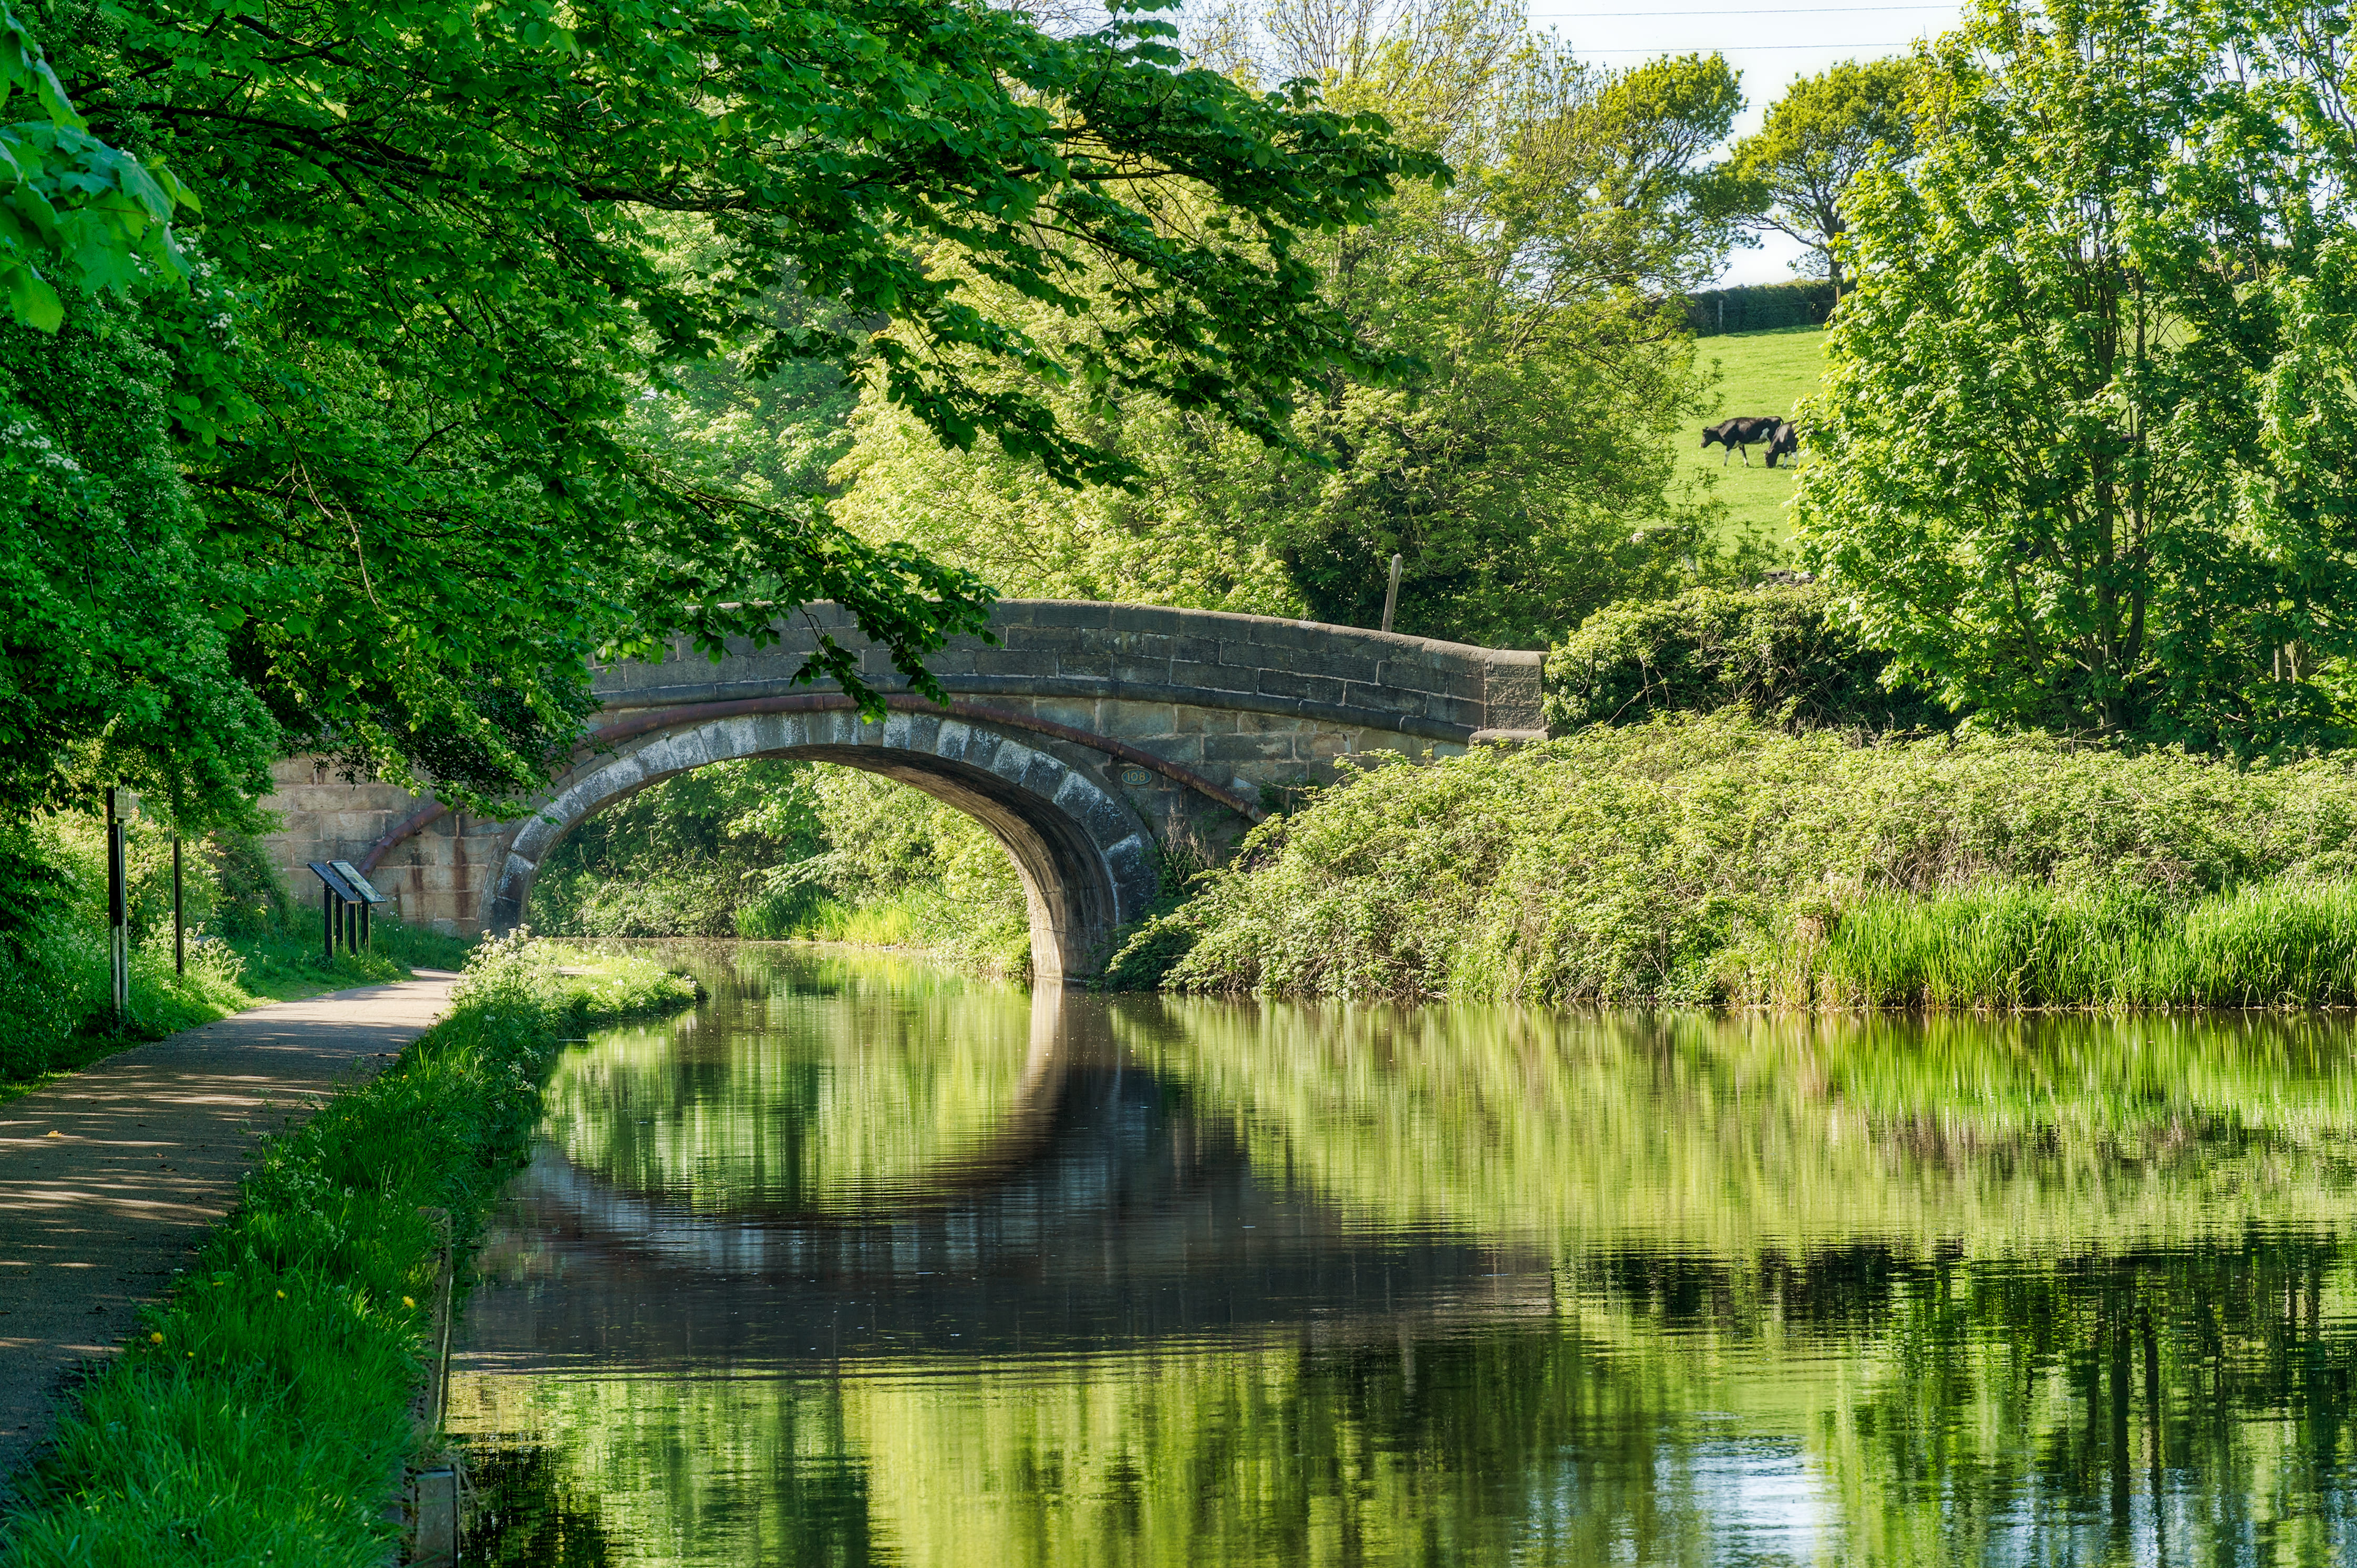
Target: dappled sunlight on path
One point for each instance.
(110, 1178)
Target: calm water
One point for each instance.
(860, 1263)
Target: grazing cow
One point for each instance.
(1740, 435)
(1784, 442)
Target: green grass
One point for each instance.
(1760, 372)
(262, 1415)
(2009, 946)
(55, 1016)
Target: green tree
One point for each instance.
(1819, 136)
(2082, 454)
(112, 664)
(1523, 467)
(450, 255)
(69, 202)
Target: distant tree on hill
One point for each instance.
(1524, 466)
(1815, 140)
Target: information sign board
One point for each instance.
(363, 888)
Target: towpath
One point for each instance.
(109, 1179)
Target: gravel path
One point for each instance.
(109, 1179)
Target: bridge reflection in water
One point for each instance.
(861, 1265)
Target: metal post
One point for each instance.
(1391, 595)
(328, 920)
(118, 913)
(365, 911)
(179, 929)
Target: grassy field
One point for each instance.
(1760, 372)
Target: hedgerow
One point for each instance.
(1713, 859)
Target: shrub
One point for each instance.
(1706, 859)
(1761, 307)
(1771, 650)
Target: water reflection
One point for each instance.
(864, 1265)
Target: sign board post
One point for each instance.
(369, 896)
(335, 893)
(118, 912)
(346, 896)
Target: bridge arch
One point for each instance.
(1085, 858)
(1079, 734)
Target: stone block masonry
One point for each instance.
(1082, 734)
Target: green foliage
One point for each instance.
(902, 869)
(1772, 651)
(772, 849)
(92, 213)
(2083, 456)
(1817, 137)
(263, 1416)
(1523, 467)
(675, 860)
(462, 282)
(1759, 307)
(1686, 860)
(246, 941)
(2281, 942)
(112, 664)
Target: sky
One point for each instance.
(1769, 45)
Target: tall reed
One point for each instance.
(2002, 945)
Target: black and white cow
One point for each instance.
(1740, 435)
(1783, 442)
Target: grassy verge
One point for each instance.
(55, 1015)
(2004, 946)
(1704, 861)
(249, 942)
(263, 1417)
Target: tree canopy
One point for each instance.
(1522, 465)
(2084, 456)
(1816, 138)
(445, 255)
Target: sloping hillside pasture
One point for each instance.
(1760, 372)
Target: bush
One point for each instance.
(1704, 860)
(1771, 650)
(263, 1416)
(1759, 307)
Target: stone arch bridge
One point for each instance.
(1087, 735)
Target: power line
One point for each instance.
(1734, 48)
(1781, 11)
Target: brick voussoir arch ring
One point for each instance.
(1085, 858)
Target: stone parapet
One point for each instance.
(1340, 676)
(1081, 734)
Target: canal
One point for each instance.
(861, 1263)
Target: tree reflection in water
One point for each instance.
(866, 1266)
